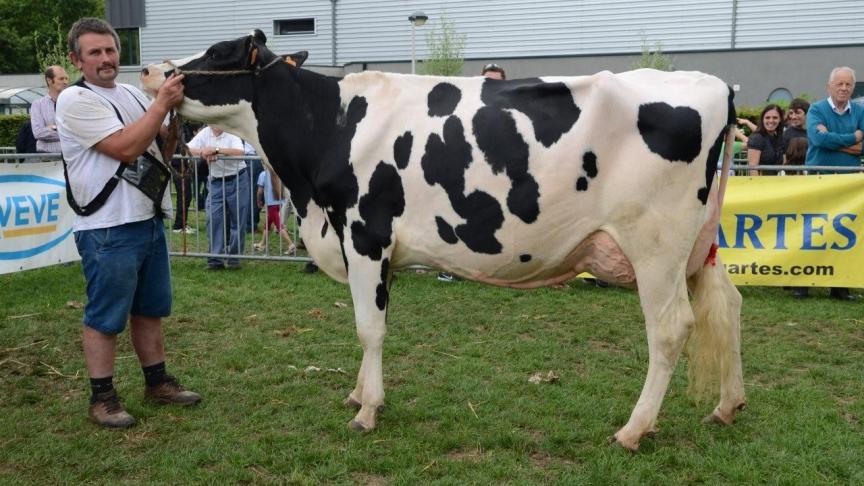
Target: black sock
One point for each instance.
(154, 374)
(100, 385)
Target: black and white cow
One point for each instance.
(520, 183)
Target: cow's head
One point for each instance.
(220, 82)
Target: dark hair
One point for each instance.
(796, 151)
(760, 127)
(799, 104)
(49, 73)
(89, 25)
(495, 69)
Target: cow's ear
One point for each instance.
(259, 37)
(297, 59)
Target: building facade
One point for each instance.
(764, 48)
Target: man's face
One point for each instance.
(840, 87)
(493, 75)
(216, 131)
(98, 60)
(60, 81)
(796, 117)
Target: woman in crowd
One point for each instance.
(765, 145)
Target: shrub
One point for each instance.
(445, 51)
(9, 126)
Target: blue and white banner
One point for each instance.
(35, 219)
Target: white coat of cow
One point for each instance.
(518, 183)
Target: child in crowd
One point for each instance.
(270, 196)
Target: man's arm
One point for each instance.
(132, 140)
(825, 139)
(42, 123)
(854, 149)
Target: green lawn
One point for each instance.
(460, 409)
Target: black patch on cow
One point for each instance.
(445, 231)
(589, 164)
(715, 153)
(711, 166)
(582, 184)
(443, 99)
(384, 201)
(324, 229)
(402, 149)
(336, 183)
(525, 258)
(549, 106)
(505, 150)
(444, 163)
(382, 295)
(674, 133)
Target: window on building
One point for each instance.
(130, 47)
(780, 94)
(294, 26)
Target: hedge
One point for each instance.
(9, 126)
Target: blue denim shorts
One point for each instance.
(127, 272)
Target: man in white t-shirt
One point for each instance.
(228, 196)
(102, 125)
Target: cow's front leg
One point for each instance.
(369, 281)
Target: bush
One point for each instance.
(9, 126)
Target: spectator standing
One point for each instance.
(835, 128)
(270, 197)
(490, 71)
(42, 111)
(493, 71)
(25, 142)
(765, 144)
(228, 197)
(255, 168)
(105, 128)
(796, 121)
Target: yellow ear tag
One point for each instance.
(289, 60)
(254, 56)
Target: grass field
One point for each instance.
(460, 408)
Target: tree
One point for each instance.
(25, 21)
(445, 50)
(53, 51)
(653, 59)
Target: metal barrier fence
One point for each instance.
(195, 241)
(192, 239)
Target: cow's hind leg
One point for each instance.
(668, 320)
(714, 349)
(370, 296)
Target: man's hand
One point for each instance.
(859, 135)
(170, 94)
(821, 128)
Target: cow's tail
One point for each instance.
(714, 349)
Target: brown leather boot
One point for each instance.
(108, 412)
(170, 391)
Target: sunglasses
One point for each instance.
(491, 67)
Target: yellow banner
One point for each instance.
(794, 230)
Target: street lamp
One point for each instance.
(417, 19)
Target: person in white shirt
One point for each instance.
(105, 128)
(228, 196)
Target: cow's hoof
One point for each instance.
(632, 447)
(358, 426)
(352, 403)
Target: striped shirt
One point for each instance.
(42, 121)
